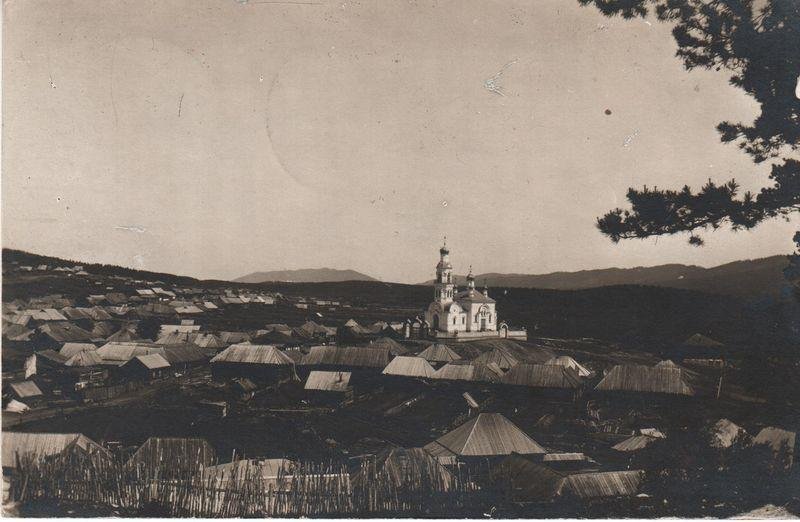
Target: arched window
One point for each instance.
(454, 320)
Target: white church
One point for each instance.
(462, 315)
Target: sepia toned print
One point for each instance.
(417, 259)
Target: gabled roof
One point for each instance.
(568, 362)
(634, 443)
(116, 298)
(42, 444)
(97, 313)
(311, 329)
(26, 389)
(166, 329)
(253, 354)
(406, 366)
(346, 356)
(404, 466)
(102, 329)
(16, 332)
(528, 480)
(84, 358)
(183, 353)
(175, 338)
(724, 433)
(20, 319)
(468, 371)
(277, 337)
(154, 361)
(393, 346)
(503, 360)
(75, 313)
(45, 314)
(207, 341)
(65, 332)
(190, 309)
(122, 351)
(700, 340)
(155, 309)
(566, 457)
(487, 435)
(328, 381)
(439, 353)
(542, 376)
(601, 485)
(125, 334)
(233, 337)
(644, 379)
(51, 356)
(777, 438)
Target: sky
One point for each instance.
(217, 138)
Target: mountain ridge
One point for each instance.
(305, 275)
(741, 278)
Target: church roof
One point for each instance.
(473, 296)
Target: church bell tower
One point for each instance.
(444, 287)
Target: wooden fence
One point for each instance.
(309, 489)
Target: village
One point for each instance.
(129, 396)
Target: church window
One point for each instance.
(463, 319)
(454, 320)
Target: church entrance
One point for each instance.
(435, 323)
(483, 323)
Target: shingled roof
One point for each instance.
(487, 435)
(439, 353)
(328, 381)
(542, 376)
(603, 485)
(568, 362)
(42, 444)
(644, 379)
(406, 366)
(346, 356)
(253, 354)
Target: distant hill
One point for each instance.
(305, 275)
(642, 317)
(740, 278)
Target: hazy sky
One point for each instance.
(219, 138)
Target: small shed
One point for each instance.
(146, 367)
(27, 392)
(328, 387)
